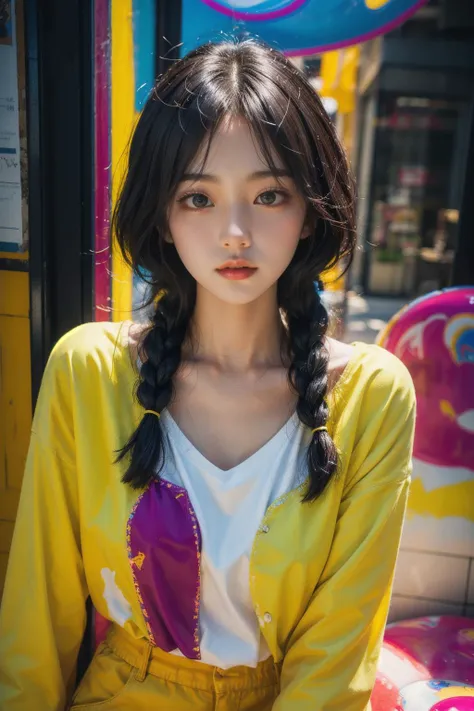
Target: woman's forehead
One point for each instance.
(233, 146)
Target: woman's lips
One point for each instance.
(237, 273)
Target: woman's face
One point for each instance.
(236, 213)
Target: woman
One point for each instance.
(236, 516)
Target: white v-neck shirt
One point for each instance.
(230, 505)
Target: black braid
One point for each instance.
(161, 356)
(307, 327)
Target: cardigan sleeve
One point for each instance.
(331, 659)
(43, 612)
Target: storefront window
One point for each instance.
(414, 218)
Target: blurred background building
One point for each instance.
(414, 116)
(403, 105)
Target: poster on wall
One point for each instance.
(11, 231)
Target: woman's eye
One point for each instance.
(271, 198)
(196, 201)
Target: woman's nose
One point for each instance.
(236, 233)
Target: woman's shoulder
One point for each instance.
(90, 347)
(374, 380)
(374, 374)
(91, 339)
(382, 367)
(87, 366)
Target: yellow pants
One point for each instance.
(131, 675)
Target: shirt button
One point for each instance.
(265, 529)
(267, 617)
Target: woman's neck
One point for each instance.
(236, 337)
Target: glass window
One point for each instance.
(413, 225)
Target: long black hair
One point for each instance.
(257, 83)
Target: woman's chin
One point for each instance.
(236, 293)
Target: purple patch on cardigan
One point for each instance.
(164, 550)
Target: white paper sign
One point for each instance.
(11, 234)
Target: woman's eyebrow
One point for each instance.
(277, 173)
(193, 177)
(257, 175)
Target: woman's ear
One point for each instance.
(308, 229)
(168, 238)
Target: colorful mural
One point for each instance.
(426, 664)
(295, 26)
(434, 337)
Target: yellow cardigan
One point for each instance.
(320, 573)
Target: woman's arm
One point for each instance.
(43, 612)
(330, 663)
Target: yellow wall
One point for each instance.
(339, 82)
(123, 116)
(15, 399)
